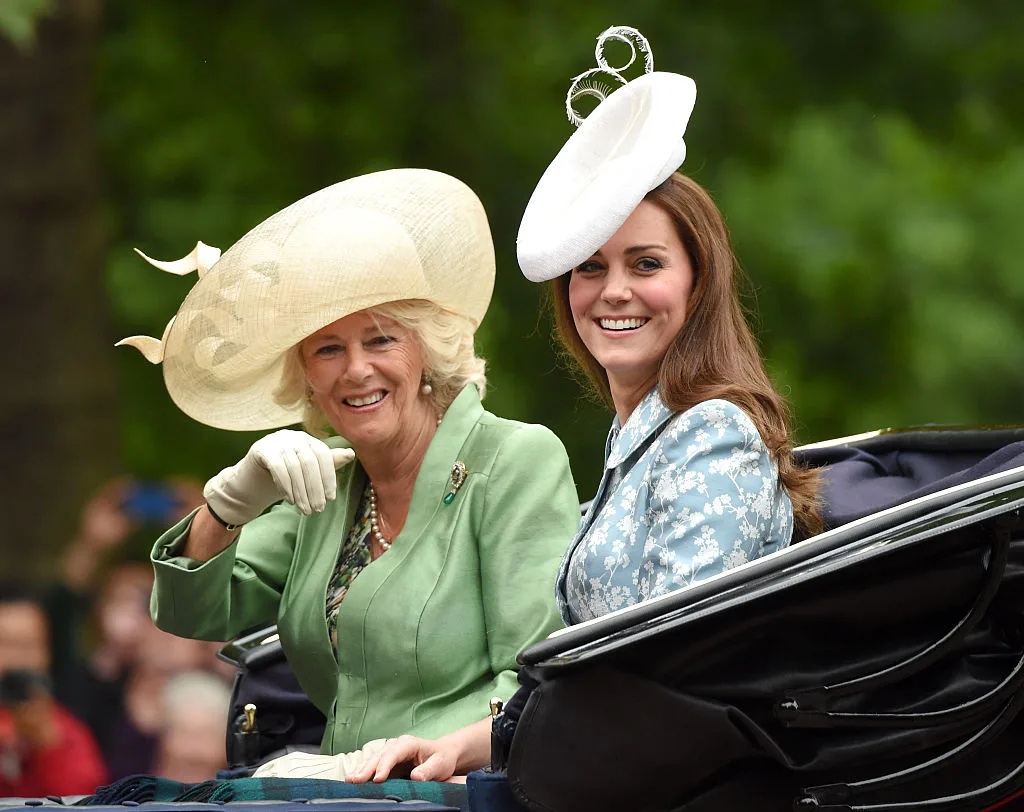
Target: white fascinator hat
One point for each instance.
(378, 238)
(631, 142)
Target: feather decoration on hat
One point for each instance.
(588, 84)
(200, 259)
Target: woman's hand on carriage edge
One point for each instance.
(458, 753)
(290, 465)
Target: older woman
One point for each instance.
(405, 584)
(698, 474)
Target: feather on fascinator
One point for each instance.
(201, 259)
(631, 142)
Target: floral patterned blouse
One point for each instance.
(684, 495)
(355, 554)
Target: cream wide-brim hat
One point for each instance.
(628, 145)
(383, 237)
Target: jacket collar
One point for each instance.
(646, 419)
(435, 473)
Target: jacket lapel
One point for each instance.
(318, 545)
(645, 421)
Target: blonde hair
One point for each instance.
(445, 340)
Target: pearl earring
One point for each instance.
(426, 389)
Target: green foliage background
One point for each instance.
(867, 156)
(18, 19)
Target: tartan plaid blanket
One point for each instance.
(139, 789)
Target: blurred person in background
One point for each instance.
(44, 749)
(121, 620)
(194, 715)
(135, 726)
(101, 630)
(98, 605)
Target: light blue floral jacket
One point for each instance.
(684, 495)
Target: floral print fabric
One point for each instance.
(355, 554)
(685, 495)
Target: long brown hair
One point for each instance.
(715, 354)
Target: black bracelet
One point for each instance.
(227, 525)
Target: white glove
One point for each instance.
(288, 465)
(313, 765)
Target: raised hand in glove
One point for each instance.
(287, 464)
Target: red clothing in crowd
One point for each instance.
(72, 766)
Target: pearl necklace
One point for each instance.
(385, 545)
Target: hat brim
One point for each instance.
(389, 236)
(630, 143)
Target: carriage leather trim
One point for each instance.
(679, 721)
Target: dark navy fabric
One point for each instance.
(860, 482)
(490, 792)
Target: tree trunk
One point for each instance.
(58, 418)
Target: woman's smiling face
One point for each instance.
(365, 373)
(629, 300)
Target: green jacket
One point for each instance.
(428, 632)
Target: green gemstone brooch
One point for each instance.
(458, 477)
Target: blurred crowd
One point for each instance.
(90, 690)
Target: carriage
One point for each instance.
(875, 667)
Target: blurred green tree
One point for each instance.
(866, 156)
(18, 19)
(889, 270)
(863, 153)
